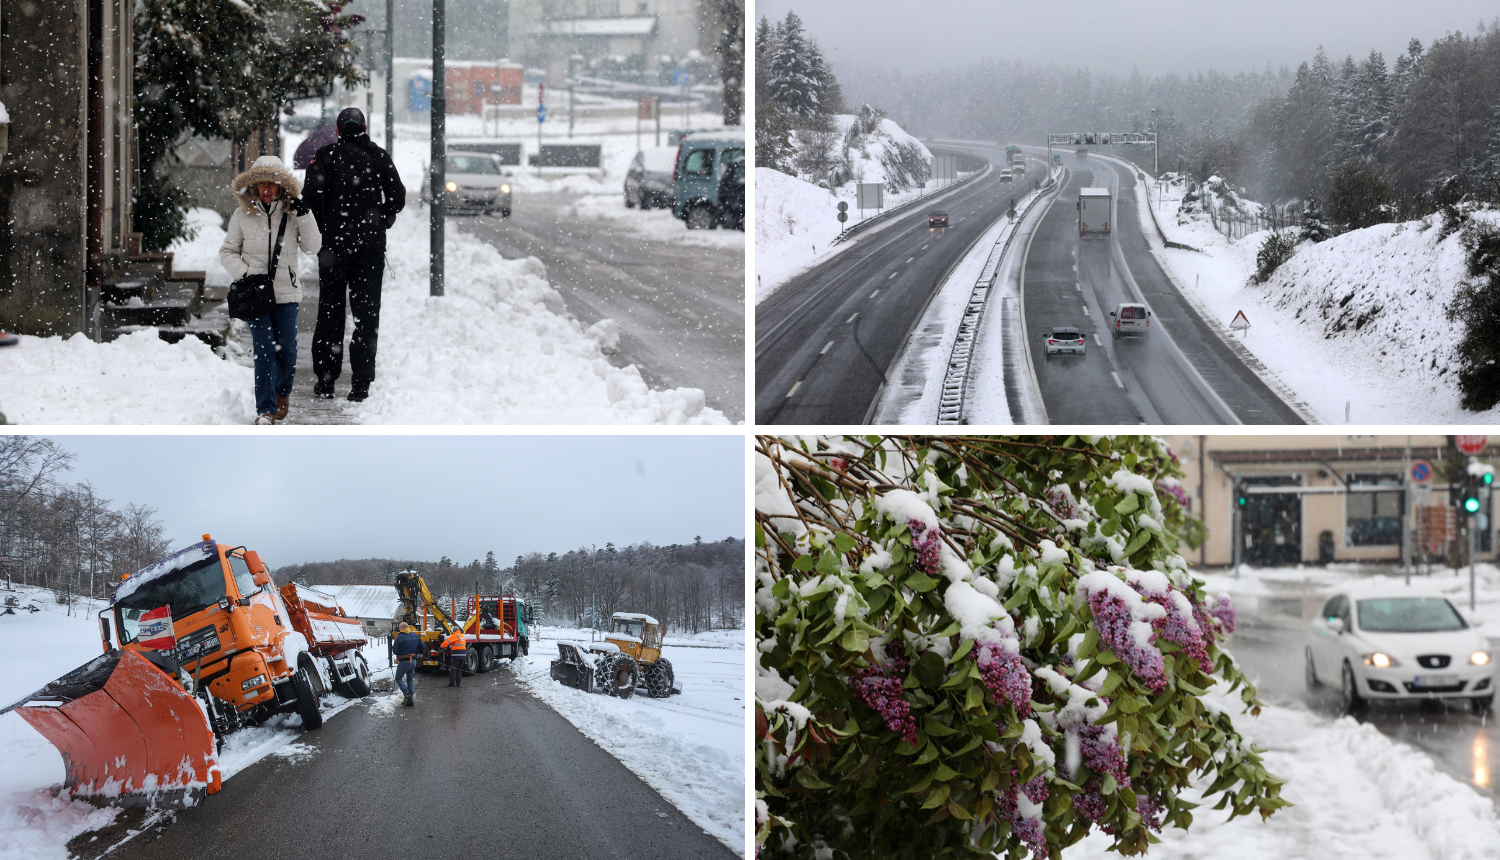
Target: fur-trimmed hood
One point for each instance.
(267, 168)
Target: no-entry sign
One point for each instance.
(1472, 444)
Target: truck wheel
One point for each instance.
(659, 679)
(359, 685)
(701, 217)
(306, 700)
(486, 660)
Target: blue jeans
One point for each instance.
(406, 669)
(274, 336)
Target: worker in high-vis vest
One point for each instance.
(457, 656)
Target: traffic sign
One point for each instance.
(541, 113)
(1472, 444)
(1421, 472)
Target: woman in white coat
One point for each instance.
(269, 194)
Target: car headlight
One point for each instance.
(1380, 660)
(1480, 658)
(253, 682)
(505, 189)
(453, 186)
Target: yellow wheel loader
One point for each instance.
(203, 645)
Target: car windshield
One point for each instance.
(473, 164)
(192, 589)
(1135, 312)
(1409, 615)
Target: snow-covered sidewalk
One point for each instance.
(689, 747)
(498, 348)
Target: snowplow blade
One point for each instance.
(128, 734)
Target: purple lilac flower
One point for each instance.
(1112, 619)
(879, 688)
(1005, 675)
(1174, 628)
(927, 546)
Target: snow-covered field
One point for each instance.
(797, 221)
(689, 747)
(498, 348)
(35, 825)
(1359, 320)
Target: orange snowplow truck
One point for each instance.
(203, 645)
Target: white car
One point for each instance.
(1064, 338)
(1400, 645)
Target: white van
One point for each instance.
(1130, 318)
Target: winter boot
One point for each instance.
(323, 388)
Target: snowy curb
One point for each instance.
(1242, 352)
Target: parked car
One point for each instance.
(937, 218)
(1064, 338)
(1130, 318)
(701, 160)
(648, 181)
(731, 197)
(1396, 643)
(476, 182)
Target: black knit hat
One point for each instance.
(351, 121)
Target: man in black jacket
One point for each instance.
(355, 193)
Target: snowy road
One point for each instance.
(679, 298)
(485, 770)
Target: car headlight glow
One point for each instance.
(1380, 660)
(453, 186)
(1480, 658)
(505, 189)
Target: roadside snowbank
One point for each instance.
(497, 349)
(1359, 319)
(689, 747)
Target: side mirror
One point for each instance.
(1336, 625)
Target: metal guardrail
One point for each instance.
(956, 380)
(899, 210)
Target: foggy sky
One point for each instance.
(298, 499)
(1158, 37)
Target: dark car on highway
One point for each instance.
(731, 198)
(938, 218)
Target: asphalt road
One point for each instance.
(1179, 373)
(485, 770)
(681, 308)
(1268, 646)
(809, 367)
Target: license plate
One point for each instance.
(1435, 681)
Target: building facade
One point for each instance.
(67, 182)
(1322, 499)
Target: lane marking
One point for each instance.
(799, 385)
(851, 318)
(874, 294)
(1111, 373)
(829, 345)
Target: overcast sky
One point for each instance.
(297, 499)
(1114, 35)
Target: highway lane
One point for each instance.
(1180, 373)
(809, 366)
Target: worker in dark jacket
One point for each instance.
(457, 656)
(355, 192)
(408, 648)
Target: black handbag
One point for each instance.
(253, 296)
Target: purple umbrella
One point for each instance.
(315, 141)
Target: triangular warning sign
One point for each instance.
(1239, 321)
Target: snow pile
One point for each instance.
(497, 349)
(1355, 793)
(1359, 319)
(690, 747)
(796, 221)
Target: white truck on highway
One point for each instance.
(1094, 205)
